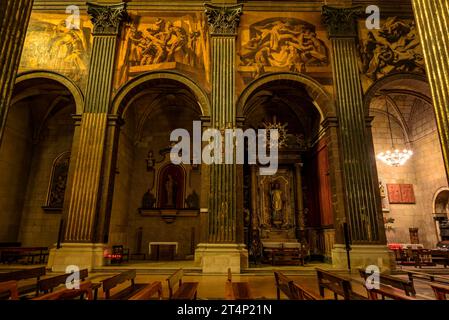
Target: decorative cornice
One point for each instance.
(223, 20)
(341, 22)
(107, 19)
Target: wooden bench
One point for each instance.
(185, 291)
(30, 254)
(292, 290)
(149, 291)
(339, 285)
(405, 285)
(45, 286)
(440, 290)
(237, 290)
(126, 293)
(8, 290)
(85, 290)
(427, 277)
(387, 291)
(24, 275)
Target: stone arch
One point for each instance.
(63, 80)
(378, 85)
(320, 97)
(124, 96)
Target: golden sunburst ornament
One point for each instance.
(282, 133)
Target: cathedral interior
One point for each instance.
(91, 94)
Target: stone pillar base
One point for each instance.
(218, 257)
(84, 255)
(362, 256)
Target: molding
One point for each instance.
(107, 19)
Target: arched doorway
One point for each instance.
(441, 214)
(407, 191)
(35, 157)
(303, 212)
(155, 200)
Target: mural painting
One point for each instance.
(49, 44)
(282, 44)
(164, 43)
(393, 48)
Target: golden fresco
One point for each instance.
(164, 43)
(282, 44)
(393, 48)
(49, 44)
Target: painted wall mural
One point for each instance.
(393, 48)
(281, 44)
(163, 43)
(49, 44)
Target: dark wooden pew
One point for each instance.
(387, 292)
(126, 293)
(292, 290)
(149, 291)
(440, 290)
(85, 290)
(339, 285)
(405, 285)
(8, 290)
(24, 274)
(45, 286)
(185, 290)
(30, 254)
(237, 290)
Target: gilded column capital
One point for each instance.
(223, 20)
(107, 19)
(341, 22)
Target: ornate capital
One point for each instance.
(107, 19)
(223, 20)
(341, 22)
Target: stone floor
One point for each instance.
(261, 279)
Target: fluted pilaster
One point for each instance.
(85, 200)
(14, 18)
(223, 23)
(362, 196)
(432, 18)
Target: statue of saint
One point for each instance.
(170, 189)
(276, 202)
(148, 200)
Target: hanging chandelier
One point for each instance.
(394, 157)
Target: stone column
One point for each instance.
(222, 251)
(14, 18)
(81, 236)
(432, 18)
(363, 210)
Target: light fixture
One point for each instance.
(394, 157)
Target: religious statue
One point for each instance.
(383, 196)
(193, 201)
(276, 204)
(170, 189)
(148, 200)
(150, 160)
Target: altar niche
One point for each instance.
(292, 208)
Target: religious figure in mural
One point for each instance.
(160, 42)
(393, 48)
(284, 43)
(53, 45)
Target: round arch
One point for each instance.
(66, 82)
(379, 84)
(320, 97)
(122, 98)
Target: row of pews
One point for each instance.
(123, 286)
(28, 284)
(340, 286)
